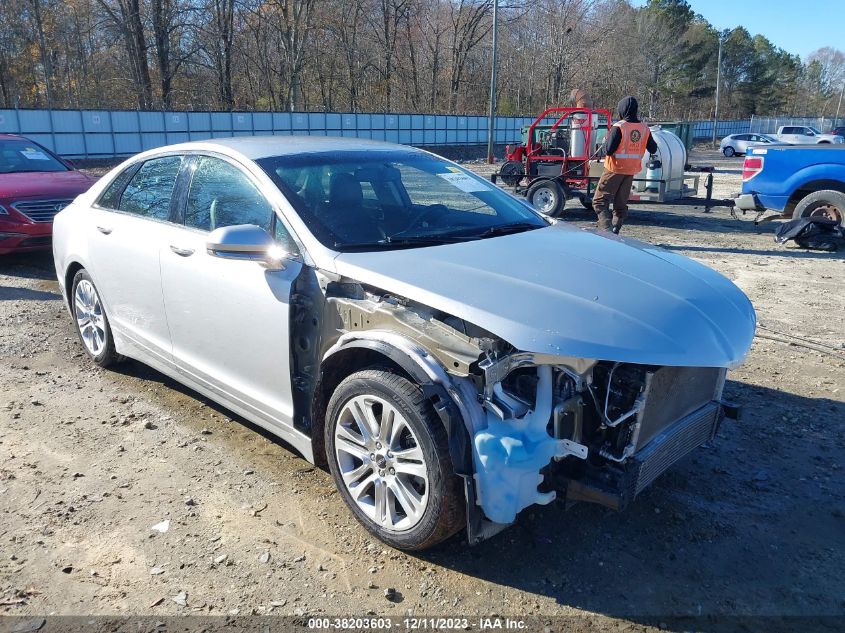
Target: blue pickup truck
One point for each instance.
(796, 180)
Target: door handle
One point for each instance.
(104, 230)
(182, 252)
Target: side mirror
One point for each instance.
(245, 241)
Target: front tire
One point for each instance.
(389, 455)
(729, 151)
(92, 324)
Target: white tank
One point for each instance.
(673, 158)
(578, 134)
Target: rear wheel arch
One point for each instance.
(70, 273)
(810, 187)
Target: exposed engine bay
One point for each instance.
(524, 428)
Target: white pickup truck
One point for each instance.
(805, 135)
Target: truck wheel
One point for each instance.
(826, 203)
(729, 151)
(389, 455)
(547, 197)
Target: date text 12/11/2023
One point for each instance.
(417, 623)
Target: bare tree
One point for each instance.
(125, 15)
(470, 24)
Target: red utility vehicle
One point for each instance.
(35, 185)
(553, 160)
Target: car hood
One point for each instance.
(44, 184)
(571, 292)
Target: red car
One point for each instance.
(35, 185)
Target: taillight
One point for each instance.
(752, 166)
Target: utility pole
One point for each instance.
(718, 81)
(839, 105)
(491, 111)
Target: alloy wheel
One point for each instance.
(381, 463)
(89, 317)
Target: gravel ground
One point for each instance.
(92, 460)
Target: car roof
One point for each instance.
(256, 147)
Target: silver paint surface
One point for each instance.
(570, 292)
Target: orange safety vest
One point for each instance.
(628, 157)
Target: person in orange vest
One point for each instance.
(624, 147)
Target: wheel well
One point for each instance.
(74, 268)
(810, 187)
(332, 372)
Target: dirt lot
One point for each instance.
(91, 460)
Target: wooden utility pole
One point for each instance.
(491, 110)
(718, 81)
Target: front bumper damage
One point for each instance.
(574, 444)
(524, 428)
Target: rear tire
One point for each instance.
(547, 197)
(404, 450)
(92, 323)
(729, 151)
(827, 203)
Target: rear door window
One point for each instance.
(150, 190)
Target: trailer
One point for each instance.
(556, 162)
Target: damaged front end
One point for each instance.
(523, 427)
(593, 431)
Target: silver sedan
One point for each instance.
(739, 143)
(450, 355)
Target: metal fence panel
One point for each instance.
(34, 121)
(125, 122)
(105, 133)
(9, 122)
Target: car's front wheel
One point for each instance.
(729, 151)
(92, 324)
(389, 455)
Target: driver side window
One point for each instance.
(221, 195)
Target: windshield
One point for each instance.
(18, 156)
(814, 130)
(376, 200)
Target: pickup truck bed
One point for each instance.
(796, 180)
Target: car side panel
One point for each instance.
(230, 323)
(70, 245)
(125, 256)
